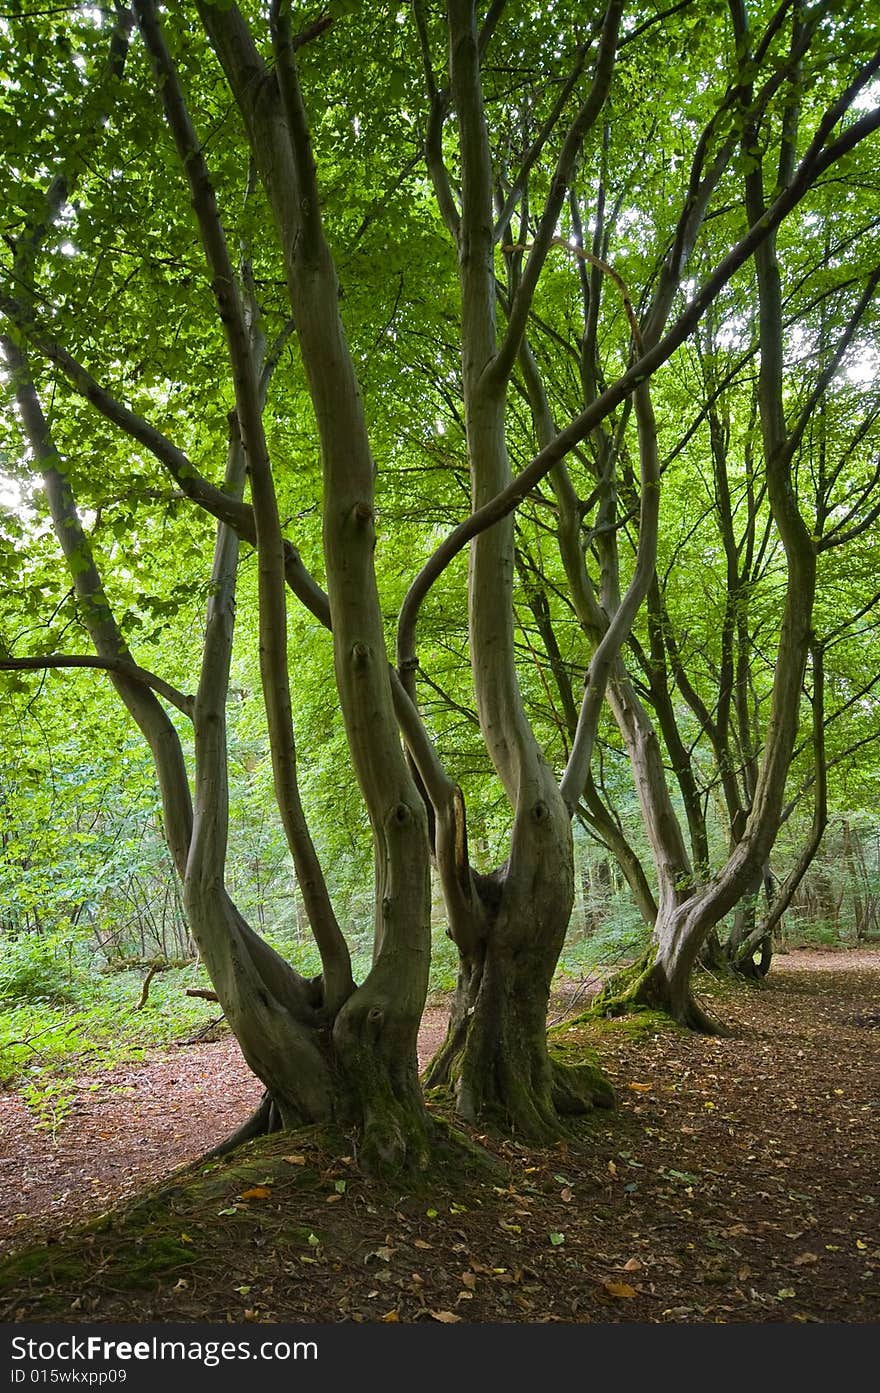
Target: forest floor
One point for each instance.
(736, 1180)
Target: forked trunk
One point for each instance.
(357, 1069)
(495, 1054)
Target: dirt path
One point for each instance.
(737, 1180)
(125, 1128)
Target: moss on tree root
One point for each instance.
(178, 1227)
(641, 990)
(528, 1102)
(578, 1088)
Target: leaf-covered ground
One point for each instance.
(736, 1181)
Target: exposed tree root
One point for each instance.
(696, 1018)
(528, 1102)
(513, 1106)
(578, 1088)
(262, 1121)
(393, 1142)
(453, 1147)
(388, 1143)
(645, 987)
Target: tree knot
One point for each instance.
(374, 1022)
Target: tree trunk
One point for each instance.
(745, 919)
(374, 1028)
(495, 1054)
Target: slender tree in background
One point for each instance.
(493, 131)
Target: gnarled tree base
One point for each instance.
(442, 1143)
(496, 1062)
(535, 1105)
(385, 1147)
(747, 964)
(646, 986)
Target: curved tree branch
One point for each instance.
(502, 364)
(121, 666)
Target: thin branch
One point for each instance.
(490, 24)
(840, 534)
(583, 255)
(335, 957)
(517, 188)
(118, 665)
(786, 891)
(655, 19)
(181, 468)
(824, 378)
(502, 365)
(237, 515)
(609, 646)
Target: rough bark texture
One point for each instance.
(495, 1054)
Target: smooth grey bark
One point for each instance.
(604, 824)
(374, 1033)
(276, 1017)
(668, 849)
(245, 373)
(672, 864)
(386, 1014)
(592, 810)
(265, 1001)
(660, 696)
(682, 931)
(483, 366)
(496, 1051)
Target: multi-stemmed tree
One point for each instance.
(214, 153)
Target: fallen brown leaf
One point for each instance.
(623, 1290)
